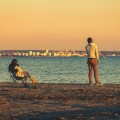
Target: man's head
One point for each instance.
(89, 40)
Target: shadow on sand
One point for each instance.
(86, 113)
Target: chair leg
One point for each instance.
(15, 81)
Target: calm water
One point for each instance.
(63, 69)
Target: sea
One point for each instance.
(63, 69)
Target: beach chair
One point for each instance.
(16, 80)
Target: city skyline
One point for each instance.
(53, 53)
(59, 25)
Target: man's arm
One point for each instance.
(97, 54)
(86, 50)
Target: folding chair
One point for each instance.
(16, 80)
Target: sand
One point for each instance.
(44, 101)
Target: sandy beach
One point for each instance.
(45, 101)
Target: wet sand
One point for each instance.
(59, 102)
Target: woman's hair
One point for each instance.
(89, 40)
(14, 61)
(12, 66)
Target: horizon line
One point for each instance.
(53, 50)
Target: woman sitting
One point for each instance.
(18, 73)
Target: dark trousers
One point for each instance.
(92, 65)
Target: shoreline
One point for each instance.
(54, 101)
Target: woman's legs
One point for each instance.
(27, 75)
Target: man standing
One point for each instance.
(93, 61)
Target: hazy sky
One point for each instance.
(59, 24)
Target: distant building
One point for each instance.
(19, 54)
(23, 54)
(69, 54)
(34, 54)
(14, 54)
(113, 55)
(56, 54)
(47, 51)
(49, 54)
(38, 54)
(45, 54)
(27, 54)
(30, 53)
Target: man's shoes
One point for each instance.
(91, 84)
(99, 84)
(26, 86)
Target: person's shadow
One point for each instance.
(84, 113)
